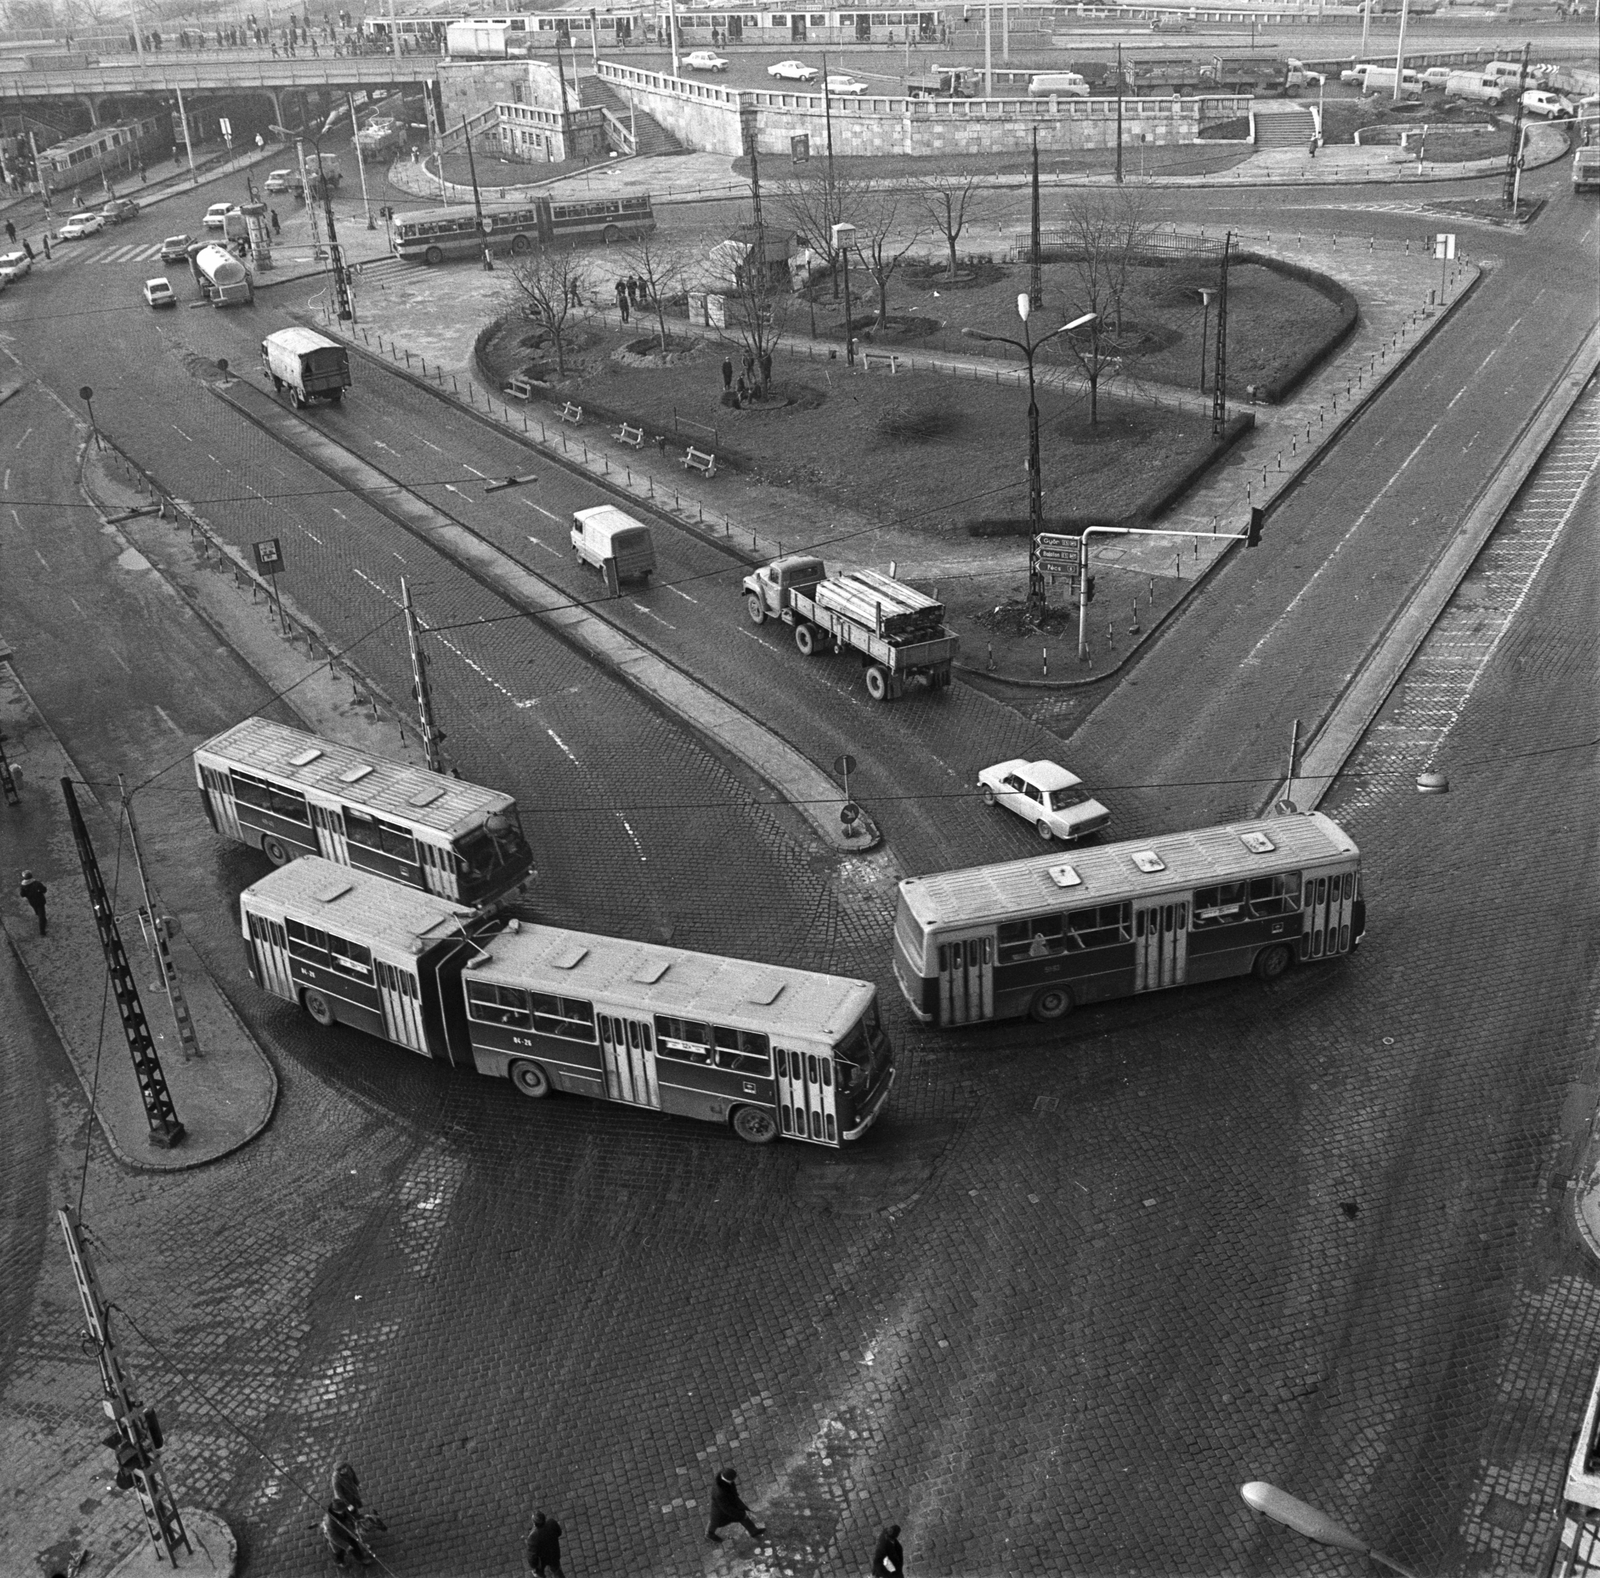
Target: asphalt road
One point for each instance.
(1079, 1284)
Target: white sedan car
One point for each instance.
(81, 225)
(217, 213)
(13, 265)
(158, 292)
(704, 60)
(793, 71)
(1046, 795)
(843, 85)
(279, 181)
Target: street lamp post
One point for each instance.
(841, 237)
(1305, 1519)
(1205, 294)
(1029, 346)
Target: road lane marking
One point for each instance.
(474, 470)
(450, 487)
(546, 546)
(181, 434)
(169, 723)
(76, 604)
(339, 512)
(41, 558)
(431, 445)
(684, 595)
(627, 828)
(122, 660)
(650, 613)
(1360, 520)
(542, 510)
(563, 745)
(6, 485)
(1478, 369)
(24, 439)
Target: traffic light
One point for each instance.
(129, 1457)
(1088, 588)
(1253, 536)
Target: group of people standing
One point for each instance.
(346, 1520)
(745, 387)
(632, 291)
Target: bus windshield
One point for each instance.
(864, 1052)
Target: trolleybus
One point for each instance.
(1038, 936)
(287, 793)
(768, 1050)
(435, 235)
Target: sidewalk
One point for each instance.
(226, 1095)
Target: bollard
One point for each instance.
(471, 400)
(454, 386)
(1133, 629)
(1152, 590)
(1177, 565)
(424, 361)
(408, 359)
(1046, 672)
(991, 657)
(1111, 635)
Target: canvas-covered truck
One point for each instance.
(898, 632)
(309, 365)
(1586, 169)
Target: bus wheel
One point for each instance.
(276, 851)
(318, 1007)
(613, 235)
(1050, 1002)
(755, 1125)
(520, 243)
(530, 1079)
(805, 637)
(433, 255)
(877, 683)
(1271, 962)
(756, 609)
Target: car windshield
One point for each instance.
(1065, 799)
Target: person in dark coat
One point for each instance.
(33, 890)
(888, 1560)
(727, 372)
(544, 1546)
(11, 233)
(622, 300)
(345, 1485)
(728, 1507)
(340, 1528)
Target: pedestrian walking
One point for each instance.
(622, 300)
(272, 214)
(888, 1560)
(544, 1546)
(633, 290)
(1313, 147)
(45, 242)
(28, 248)
(727, 372)
(341, 1529)
(33, 890)
(11, 234)
(749, 366)
(345, 1484)
(728, 1507)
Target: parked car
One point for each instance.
(1353, 74)
(13, 265)
(159, 293)
(279, 181)
(838, 85)
(118, 209)
(1172, 24)
(217, 213)
(1537, 101)
(175, 249)
(1436, 76)
(80, 225)
(793, 71)
(704, 60)
(1046, 795)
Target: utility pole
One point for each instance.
(1119, 114)
(431, 737)
(341, 285)
(188, 143)
(833, 214)
(1035, 285)
(472, 170)
(361, 168)
(137, 1437)
(305, 187)
(166, 1130)
(157, 929)
(988, 49)
(1509, 197)
(1219, 389)
(44, 183)
(1400, 50)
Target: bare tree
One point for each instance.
(887, 229)
(548, 286)
(666, 272)
(813, 204)
(1107, 233)
(31, 16)
(759, 303)
(950, 203)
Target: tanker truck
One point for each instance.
(223, 280)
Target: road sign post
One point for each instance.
(269, 562)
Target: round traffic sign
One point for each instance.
(844, 764)
(849, 814)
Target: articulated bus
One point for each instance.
(288, 794)
(767, 1050)
(1038, 936)
(433, 235)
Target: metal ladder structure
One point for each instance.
(157, 930)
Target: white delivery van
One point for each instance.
(604, 535)
(1380, 79)
(1058, 84)
(1473, 85)
(1508, 73)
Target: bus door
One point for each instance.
(330, 834)
(401, 1000)
(806, 1095)
(219, 796)
(797, 27)
(271, 949)
(628, 1052)
(1327, 902)
(966, 978)
(1160, 944)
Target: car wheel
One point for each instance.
(988, 795)
(1050, 1003)
(755, 1125)
(756, 609)
(318, 1007)
(529, 1079)
(1042, 828)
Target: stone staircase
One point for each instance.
(1283, 125)
(652, 135)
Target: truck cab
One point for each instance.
(769, 590)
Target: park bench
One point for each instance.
(572, 413)
(697, 460)
(890, 358)
(519, 388)
(631, 435)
